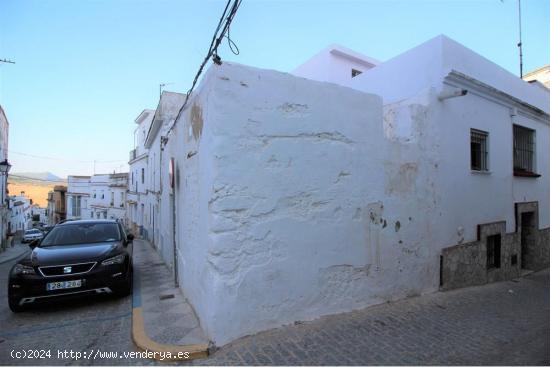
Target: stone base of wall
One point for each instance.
(467, 264)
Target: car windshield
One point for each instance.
(77, 233)
(32, 231)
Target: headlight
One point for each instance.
(23, 269)
(119, 259)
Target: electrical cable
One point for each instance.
(212, 52)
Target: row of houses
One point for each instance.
(278, 197)
(100, 196)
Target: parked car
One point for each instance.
(74, 258)
(31, 235)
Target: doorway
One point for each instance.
(528, 240)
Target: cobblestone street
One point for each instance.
(496, 324)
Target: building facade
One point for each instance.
(5, 215)
(21, 213)
(540, 75)
(138, 211)
(160, 224)
(108, 196)
(56, 210)
(78, 197)
(290, 198)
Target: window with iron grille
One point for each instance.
(478, 150)
(524, 150)
(493, 251)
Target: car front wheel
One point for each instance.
(14, 304)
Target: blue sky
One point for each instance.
(85, 69)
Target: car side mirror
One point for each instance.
(33, 244)
(130, 237)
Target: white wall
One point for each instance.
(78, 188)
(334, 65)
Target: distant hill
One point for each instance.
(46, 176)
(35, 185)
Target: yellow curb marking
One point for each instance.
(176, 352)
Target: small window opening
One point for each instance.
(478, 150)
(493, 251)
(355, 72)
(514, 259)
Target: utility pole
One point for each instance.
(519, 43)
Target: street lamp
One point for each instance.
(5, 166)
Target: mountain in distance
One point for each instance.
(46, 176)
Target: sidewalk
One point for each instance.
(14, 252)
(168, 321)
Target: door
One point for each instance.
(527, 239)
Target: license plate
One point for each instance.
(64, 285)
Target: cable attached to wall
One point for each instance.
(221, 32)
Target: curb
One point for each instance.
(164, 352)
(16, 257)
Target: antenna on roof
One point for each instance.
(162, 85)
(519, 43)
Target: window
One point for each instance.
(524, 151)
(478, 150)
(355, 72)
(143, 175)
(493, 251)
(76, 206)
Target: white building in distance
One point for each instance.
(78, 197)
(20, 210)
(108, 196)
(5, 215)
(138, 211)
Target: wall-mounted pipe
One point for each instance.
(451, 93)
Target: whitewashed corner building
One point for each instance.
(292, 198)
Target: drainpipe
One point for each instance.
(451, 93)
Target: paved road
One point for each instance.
(497, 324)
(86, 325)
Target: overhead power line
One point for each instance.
(63, 159)
(221, 32)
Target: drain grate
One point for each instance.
(162, 297)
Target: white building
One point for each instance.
(540, 75)
(20, 210)
(294, 198)
(137, 215)
(160, 224)
(4, 168)
(108, 196)
(335, 64)
(78, 197)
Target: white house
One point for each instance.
(294, 198)
(160, 224)
(4, 168)
(137, 200)
(335, 64)
(108, 196)
(78, 197)
(20, 210)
